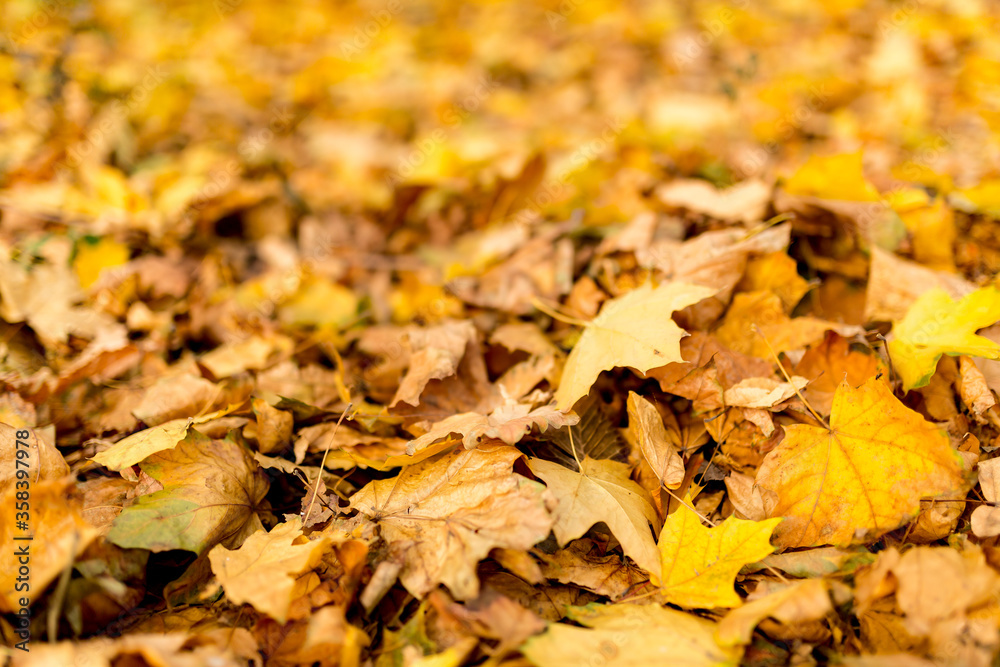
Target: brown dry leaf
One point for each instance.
(41, 543)
(325, 639)
(181, 396)
(509, 422)
(709, 370)
(634, 330)
(935, 583)
(153, 649)
(894, 284)
(274, 427)
(659, 450)
(584, 564)
(631, 634)
(973, 389)
(29, 458)
(434, 354)
(250, 354)
(263, 571)
(745, 497)
(444, 515)
(828, 364)
(756, 317)
(762, 392)
(602, 491)
(744, 202)
(864, 477)
(715, 259)
(46, 297)
(986, 518)
(800, 601)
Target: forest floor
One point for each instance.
(499, 333)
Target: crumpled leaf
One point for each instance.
(436, 353)
(38, 459)
(509, 422)
(700, 564)
(630, 636)
(211, 492)
(646, 424)
(864, 477)
(634, 330)
(796, 602)
(762, 392)
(602, 491)
(936, 325)
(444, 515)
(263, 570)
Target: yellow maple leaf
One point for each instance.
(602, 491)
(633, 330)
(936, 325)
(700, 564)
(863, 477)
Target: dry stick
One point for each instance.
(319, 474)
(554, 314)
(788, 378)
(888, 357)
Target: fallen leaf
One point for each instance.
(986, 518)
(264, 569)
(52, 536)
(139, 446)
(602, 491)
(756, 317)
(583, 563)
(645, 422)
(894, 284)
(864, 477)
(634, 330)
(793, 603)
(936, 325)
(509, 423)
(29, 457)
(445, 515)
(700, 564)
(211, 494)
(762, 392)
(630, 635)
(831, 362)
